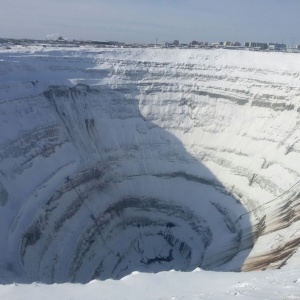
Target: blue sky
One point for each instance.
(146, 20)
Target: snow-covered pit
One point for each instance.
(146, 160)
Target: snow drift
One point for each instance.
(146, 160)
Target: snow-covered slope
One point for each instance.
(122, 160)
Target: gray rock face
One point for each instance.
(145, 160)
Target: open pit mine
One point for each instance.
(121, 160)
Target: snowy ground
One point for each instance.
(235, 112)
(277, 284)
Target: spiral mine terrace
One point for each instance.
(122, 160)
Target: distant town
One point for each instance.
(7, 43)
